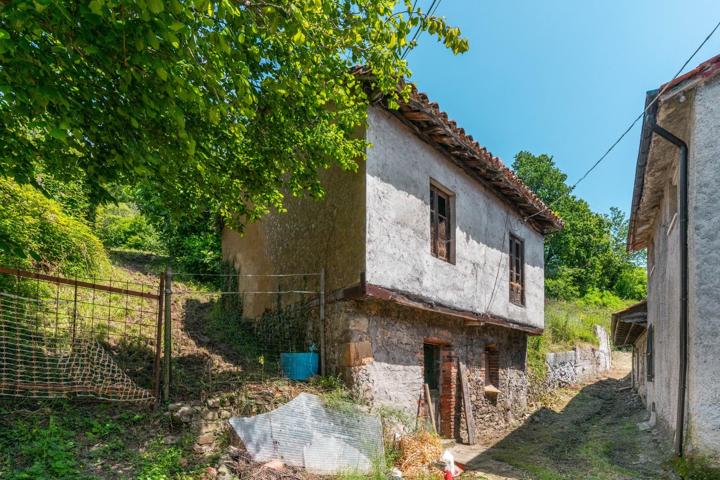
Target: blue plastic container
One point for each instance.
(300, 366)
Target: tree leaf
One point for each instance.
(156, 6)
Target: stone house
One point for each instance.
(433, 257)
(675, 217)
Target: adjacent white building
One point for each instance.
(676, 349)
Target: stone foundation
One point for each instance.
(377, 347)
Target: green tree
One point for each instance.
(589, 253)
(215, 105)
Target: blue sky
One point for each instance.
(563, 77)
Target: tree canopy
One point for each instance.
(589, 253)
(205, 105)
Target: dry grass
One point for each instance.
(419, 452)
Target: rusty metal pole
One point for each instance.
(75, 313)
(322, 322)
(168, 334)
(158, 338)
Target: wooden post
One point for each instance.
(430, 407)
(168, 334)
(322, 323)
(467, 404)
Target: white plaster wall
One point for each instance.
(704, 238)
(663, 314)
(399, 169)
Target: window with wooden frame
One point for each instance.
(492, 366)
(442, 232)
(650, 354)
(517, 271)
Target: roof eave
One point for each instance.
(651, 108)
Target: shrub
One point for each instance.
(35, 233)
(123, 226)
(632, 283)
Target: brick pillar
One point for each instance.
(448, 392)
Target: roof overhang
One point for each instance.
(629, 324)
(669, 106)
(366, 291)
(434, 127)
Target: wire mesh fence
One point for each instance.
(230, 329)
(62, 337)
(121, 340)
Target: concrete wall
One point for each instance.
(313, 234)
(378, 347)
(704, 238)
(400, 167)
(579, 365)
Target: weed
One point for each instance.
(164, 462)
(36, 450)
(695, 469)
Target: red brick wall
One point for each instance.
(448, 392)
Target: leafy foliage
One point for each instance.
(39, 234)
(214, 105)
(123, 226)
(40, 451)
(589, 253)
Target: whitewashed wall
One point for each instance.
(399, 169)
(704, 240)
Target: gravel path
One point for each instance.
(589, 432)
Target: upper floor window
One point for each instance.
(441, 224)
(517, 271)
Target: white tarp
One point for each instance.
(305, 433)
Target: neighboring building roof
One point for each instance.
(629, 324)
(691, 79)
(703, 71)
(433, 125)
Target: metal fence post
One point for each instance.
(322, 322)
(168, 334)
(75, 312)
(158, 338)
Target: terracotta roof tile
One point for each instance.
(434, 126)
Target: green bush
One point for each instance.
(35, 233)
(123, 226)
(632, 283)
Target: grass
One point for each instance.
(695, 469)
(63, 440)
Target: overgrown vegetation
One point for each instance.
(695, 469)
(59, 440)
(38, 234)
(123, 226)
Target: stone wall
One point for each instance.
(378, 349)
(579, 365)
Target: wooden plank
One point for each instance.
(430, 407)
(79, 283)
(469, 418)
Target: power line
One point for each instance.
(430, 11)
(627, 130)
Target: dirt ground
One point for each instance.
(588, 432)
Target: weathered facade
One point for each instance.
(688, 108)
(433, 258)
